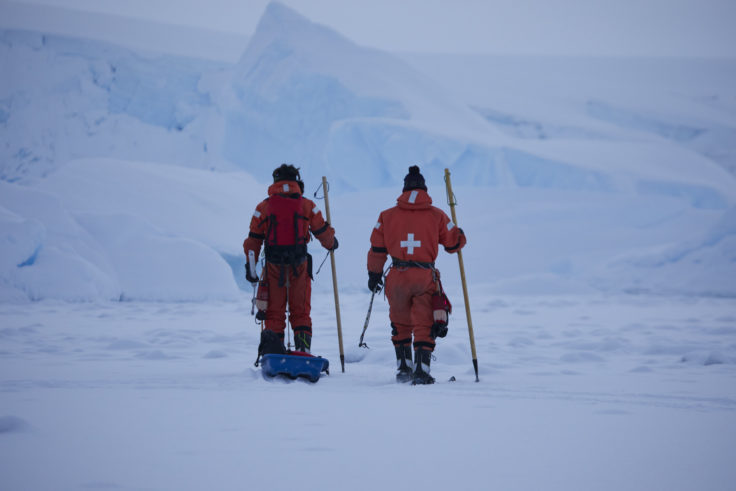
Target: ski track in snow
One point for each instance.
(625, 382)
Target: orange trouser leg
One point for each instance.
(409, 292)
(298, 295)
(300, 298)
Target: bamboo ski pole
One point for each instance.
(334, 279)
(452, 202)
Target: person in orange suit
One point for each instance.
(283, 223)
(411, 233)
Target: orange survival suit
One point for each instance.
(287, 280)
(411, 233)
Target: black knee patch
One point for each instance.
(400, 342)
(307, 329)
(424, 344)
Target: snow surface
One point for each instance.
(575, 392)
(599, 201)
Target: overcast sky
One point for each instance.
(595, 27)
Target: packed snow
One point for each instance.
(599, 201)
(575, 392)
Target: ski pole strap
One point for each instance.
(398, 263)
(322, 263)
(326, 186)
(361, 344)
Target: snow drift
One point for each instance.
(125, 230)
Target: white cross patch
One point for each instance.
(410, 244)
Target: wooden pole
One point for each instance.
(451, 201)
(334, 279)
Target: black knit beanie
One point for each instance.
(414, 180)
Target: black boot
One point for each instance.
(271, 343)
(303, 339)
(403, 363)
(422, 357)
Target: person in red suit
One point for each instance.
(283, 223)
(411, 233)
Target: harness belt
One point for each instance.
(398, 263)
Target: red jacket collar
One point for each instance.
(284, 187)
(414, 199)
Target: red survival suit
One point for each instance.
(288, 282)
(410, 233)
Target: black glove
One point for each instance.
(438, 330)
(250, 276)
(375, 281)
(334, 245)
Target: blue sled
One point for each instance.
(295, 365)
